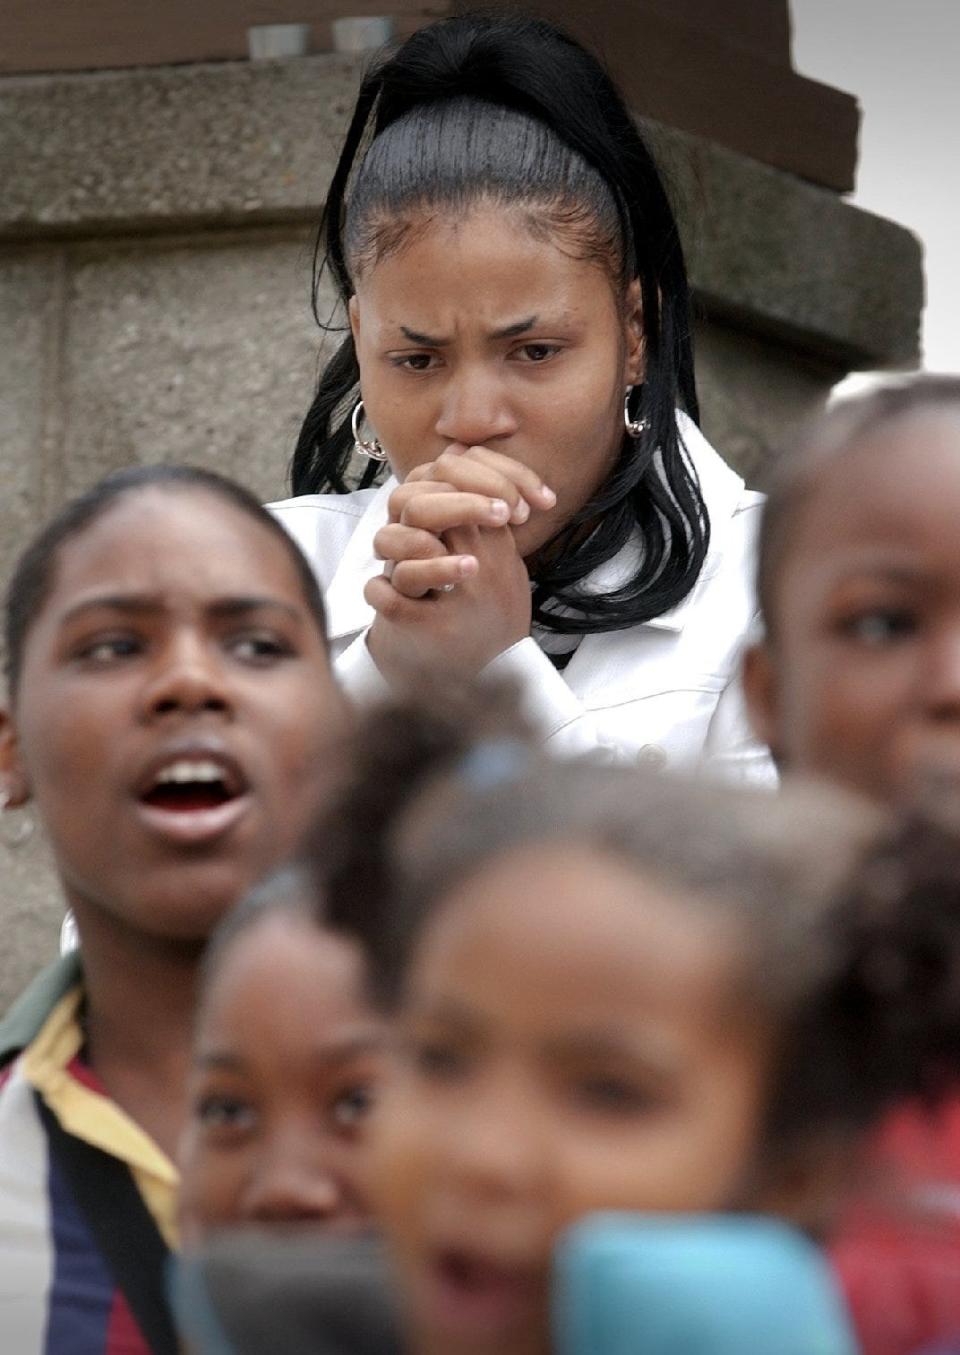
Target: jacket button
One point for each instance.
(652, 756)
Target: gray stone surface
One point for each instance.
(31, 288)
(204, 352)
(31, 911)
(754, 394)
(792, 262)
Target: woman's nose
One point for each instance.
(475, 410)
(188, 678)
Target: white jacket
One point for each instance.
(664, 692)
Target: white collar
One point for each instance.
(348, 612)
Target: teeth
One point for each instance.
(185, 771)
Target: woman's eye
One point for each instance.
(352, 1106)
(879, 626)
(536, 352)
(110, 648)
(224, 1113)
(414, 362)
(259, 648)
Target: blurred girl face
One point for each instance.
(475, 332)
(285, 1070)
(860, 680)
(555, 1060)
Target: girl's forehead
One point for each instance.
(156, 536)
(899, 484)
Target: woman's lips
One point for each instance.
(467, 1296)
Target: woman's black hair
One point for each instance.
(35, 571)
(510, 109)
(848, 424)
(848, 923)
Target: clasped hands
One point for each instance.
(451, 523)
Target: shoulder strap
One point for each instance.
(122, 1226)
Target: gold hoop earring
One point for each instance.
(369, 447)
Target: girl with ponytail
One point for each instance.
(519, 352)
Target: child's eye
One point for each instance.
(109, 648)
(536, 352)
(352, 1106)
(611, 1095)
(224, 1114)
(259, 648)
(879, 626)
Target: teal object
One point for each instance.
(654, 1284)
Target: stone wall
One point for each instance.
(155, 246)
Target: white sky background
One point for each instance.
(901, 58)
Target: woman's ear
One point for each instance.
(635, 362)
(353, 312)
(14, 785)
(760, 688)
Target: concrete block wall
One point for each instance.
(155, 243)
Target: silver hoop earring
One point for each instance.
(635, 427)
(14, 830)
(364, 446)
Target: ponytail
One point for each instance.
(512, 109)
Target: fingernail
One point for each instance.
(548, 495)
(521, 512)
(500, 509)
(469, 564)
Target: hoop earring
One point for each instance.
(14, 832)
(635, 427)
(369, 447)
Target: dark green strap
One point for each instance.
(122, 1227)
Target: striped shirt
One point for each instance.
(57, 1295)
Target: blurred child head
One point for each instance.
(858, 676)
(172, 705)
(613, 992)
(285, 1067)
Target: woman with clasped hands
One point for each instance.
(519, 353)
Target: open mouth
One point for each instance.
(472, 1294)
(189, 785)
(193, 798)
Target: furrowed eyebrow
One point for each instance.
(515, 330)
(512, 331)
(146, 604)
(240, 606)
(129, 604)
(423, 340)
